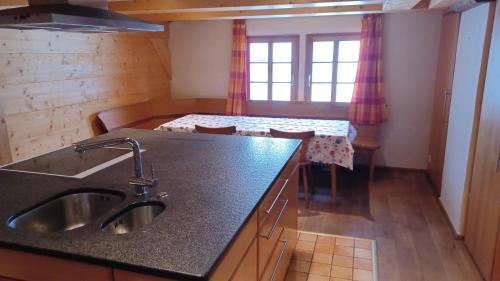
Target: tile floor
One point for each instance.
(324, 257)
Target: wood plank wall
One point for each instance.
(52, 84)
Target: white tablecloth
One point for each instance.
(331, 145)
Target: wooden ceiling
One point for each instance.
(175, 10)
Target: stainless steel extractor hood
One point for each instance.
(89, 16)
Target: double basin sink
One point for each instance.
(76, 208)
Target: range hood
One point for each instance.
(87, 16)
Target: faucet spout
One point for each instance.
(138, 181)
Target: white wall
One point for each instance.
(464, 92)
(201, 58)
(411, 42)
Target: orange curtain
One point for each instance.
(368, 105)
(237, 96)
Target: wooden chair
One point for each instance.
(304, 164)
(218, 131)
(367, 142)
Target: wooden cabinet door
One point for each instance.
(247, 270)
(28, 267)
(483, 213)
(495, 276)
(442, 97)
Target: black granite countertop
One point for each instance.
(214, 184)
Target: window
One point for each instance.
(273, 67)
(332, 63)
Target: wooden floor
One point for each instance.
(400, 212)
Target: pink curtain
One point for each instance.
(237, 96)
(368, 105)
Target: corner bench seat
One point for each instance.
(139, 115)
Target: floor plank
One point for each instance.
(400, 212)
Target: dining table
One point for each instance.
(331, 145)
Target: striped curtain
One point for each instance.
(237, 96)
(368, 105)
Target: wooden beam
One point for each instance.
(175, 6)
(7, 4)
(395, 5)
(441, 4)
(276, 13)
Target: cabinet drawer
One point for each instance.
(270, 233)
(269, 207)
(280, 258)
(247, 270)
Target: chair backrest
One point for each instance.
(304, 136)
(366, 131)
(218, 131)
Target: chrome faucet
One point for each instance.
(139, 182)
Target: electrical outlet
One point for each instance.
(429, 158)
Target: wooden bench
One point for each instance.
(367, 142)
(139, 115)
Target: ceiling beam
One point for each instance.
(6, 4)
(442, 3)
(175, 6)
(399, 5)
(273, 13)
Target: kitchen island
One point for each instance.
(230, 214)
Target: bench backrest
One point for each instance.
(121, 117)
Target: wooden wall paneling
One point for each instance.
(25, 98)
(32, 68)
(53, 83)
(5, 154)
(483, 211)
(442, 97)
(161, 47)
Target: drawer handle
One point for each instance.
(271, 231)
(282, 253)
(268, 211)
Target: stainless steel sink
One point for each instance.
(133, 217)
(66, 211)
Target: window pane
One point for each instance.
(321, 92)
(282, 52)
(346, 72)
(344, 92)
(322, 72)
(282, 91)
(258, 72)
(258, 91)
(323, 51)
(349, 51)
(282, 72)
(258, 52)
